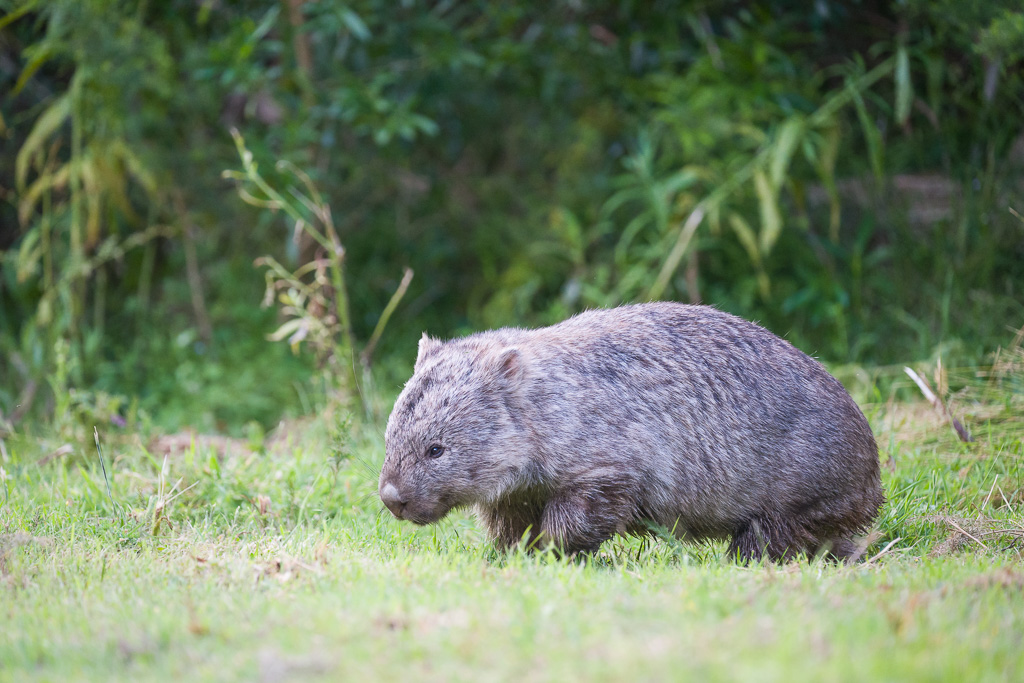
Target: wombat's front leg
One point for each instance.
(508, 524)
(579, 522)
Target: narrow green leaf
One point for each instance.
(620, 198)
(782, 151)
(827, 156)
(715, 220)
(746, 236)
(771, 219)
(628, 234)
(265, 26)
(14, 15)
(872, 135)
(564, 222)
(904, 86)
(44, 311)
(138, 170)
(29, 254)
(829, 152)
(355, 24)
(428, 126)
(679, 180)
(46, 124)
(29, 197)
(31, 68)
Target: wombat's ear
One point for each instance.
(511, 365)
(427, 347)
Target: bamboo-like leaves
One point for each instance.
(104, 171)
(767, 171)
(46, 125)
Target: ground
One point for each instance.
(270, 559)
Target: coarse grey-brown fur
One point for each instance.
(615, 420)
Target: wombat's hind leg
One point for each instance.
(766, 537)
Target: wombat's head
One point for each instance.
(453, 437)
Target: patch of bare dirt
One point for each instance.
(284, 434)
(276, 666)
(177, 444)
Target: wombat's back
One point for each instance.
(712, 422)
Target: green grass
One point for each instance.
(273, 563)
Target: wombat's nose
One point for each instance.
(389, 496)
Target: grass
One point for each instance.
(269, 560)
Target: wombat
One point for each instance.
(629, 419)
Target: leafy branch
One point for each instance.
(313, 296)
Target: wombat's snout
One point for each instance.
(394, 501)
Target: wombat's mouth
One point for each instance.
(418, 509)
(423, 517)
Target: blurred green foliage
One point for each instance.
(843, 171)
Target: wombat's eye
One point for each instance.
(435, 451)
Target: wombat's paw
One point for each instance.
(844, 550)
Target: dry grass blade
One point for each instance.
(106, 480)
(938, 404)
(883, 551)
(367, 353)
(966, 533)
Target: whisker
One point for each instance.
(365, 497)
(370, 469)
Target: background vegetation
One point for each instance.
(843, 171)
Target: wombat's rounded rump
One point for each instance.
(618, 420)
